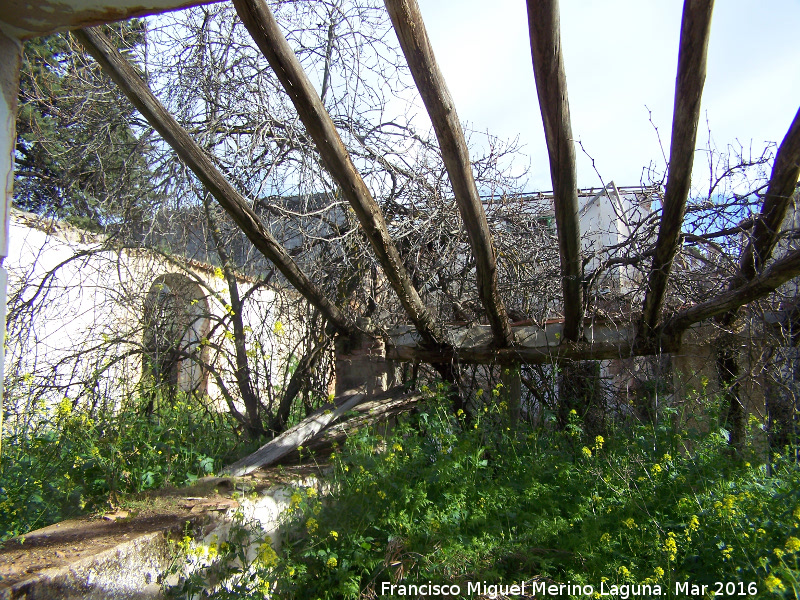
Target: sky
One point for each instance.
(621, 60)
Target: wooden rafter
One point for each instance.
(781, 188)
(772, 277)
(692, 53)
(125, 76)
(413, 37)
(551, 87)
(264, 30)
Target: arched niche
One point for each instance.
(175, 321)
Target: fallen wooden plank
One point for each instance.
(292, 438)
(370, 413)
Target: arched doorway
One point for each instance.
(175, 323)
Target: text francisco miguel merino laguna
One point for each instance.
(569, 589)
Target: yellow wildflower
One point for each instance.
(312, 525)
(656, 469)
(266, 555)
(629, 523)
(792, 544)
(727, 552)
(605, 538)
(598, 442)
(332, 562)
(671, 547)
(694, 523)
(334, 534)
(659, 572)
(774, 584)
(311, 492)
(586, 452)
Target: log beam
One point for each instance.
(770, 279)
(532, 345)
(124, 75)
(410, 28)
(692, 53)
(781, 188)
(266, 33)
(551, 88)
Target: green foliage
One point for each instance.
(73, 460)
(444, 500)
(78, 155)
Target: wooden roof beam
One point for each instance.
(692, 53)
(551, 87)
(780, 190)
(410, 29)
(122, 72)
(770, 279)
(264, 30)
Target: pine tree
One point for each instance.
(81, 155)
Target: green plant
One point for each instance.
(70, 460)
(442, 500)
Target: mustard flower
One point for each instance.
(586, 452)
(774, 584)
(598, 442)
(312, 525)
(332, 562)
(671, 547)
(792, 544)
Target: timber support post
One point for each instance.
(361, 364)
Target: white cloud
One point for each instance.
(620, 56)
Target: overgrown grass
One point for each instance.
(67, 461)
(448, 501)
